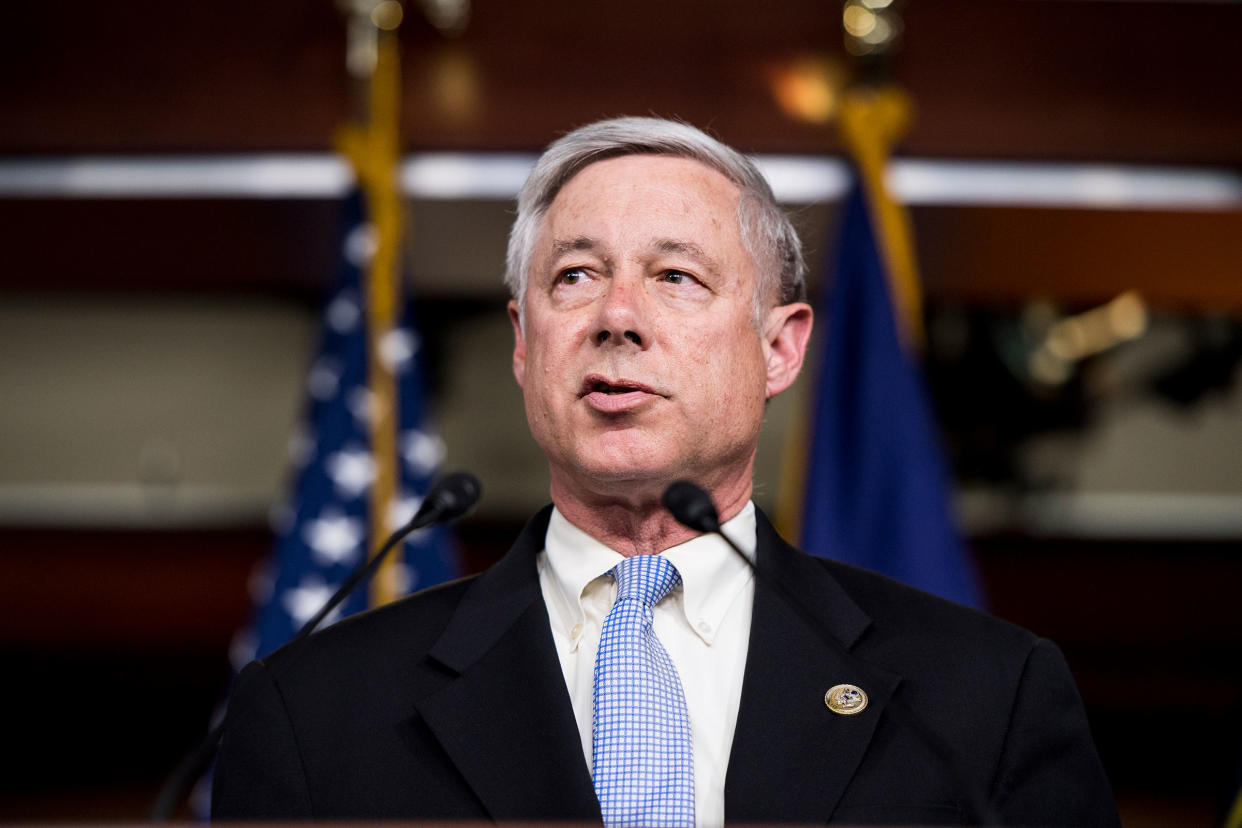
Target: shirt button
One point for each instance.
(704, 627)
(576, 631)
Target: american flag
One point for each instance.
(322, 527)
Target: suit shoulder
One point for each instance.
(902, 610)
(403, 629)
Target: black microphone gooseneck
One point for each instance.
(693, 508)
(449, 498)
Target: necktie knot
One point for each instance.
(645, 578)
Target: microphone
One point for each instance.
(448, 498)
(693, 508)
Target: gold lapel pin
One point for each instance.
(846, 699)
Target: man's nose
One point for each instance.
(623, 315)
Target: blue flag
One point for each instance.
(323, 529)
(877, 492)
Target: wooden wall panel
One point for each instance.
(1150, 82)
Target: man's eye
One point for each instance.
(571, 277)
(678, 277)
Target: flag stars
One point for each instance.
(324, 378)
(397, 348)
(360, 245)
(344, 313)
(362, 404)
(305, 599)
(334, 538)
(402, 510)
(352, 471)
(324, 528)
(422, 451)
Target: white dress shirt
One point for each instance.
(703, 624)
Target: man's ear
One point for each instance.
(786, 333)
(519, 344)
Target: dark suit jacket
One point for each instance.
(451, 704)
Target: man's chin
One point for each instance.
(638, 481)
(622, 477)
(617, 475)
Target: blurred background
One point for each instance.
(170, 207)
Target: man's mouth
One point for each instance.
(596, 384)
(609, 388)
(616, 395)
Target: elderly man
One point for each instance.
(615, 665)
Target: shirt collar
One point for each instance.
(712, 575)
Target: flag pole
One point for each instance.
(373, 147)
(871, 116)
(874, 115)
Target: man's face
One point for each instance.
(640, 361)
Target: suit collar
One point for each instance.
(495, 600)
(792, 757)
(504, 717)
(503, 714)
(830, 607)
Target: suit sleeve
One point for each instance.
(1049, 773)
(259, 772)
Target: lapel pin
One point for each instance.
(846, 699)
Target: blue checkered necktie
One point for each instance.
(644, 765)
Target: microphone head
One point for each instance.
(691, 506)
(453, 495)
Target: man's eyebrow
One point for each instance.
(693, 250)
(686, 248)
(562, 246)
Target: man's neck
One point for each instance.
(638, 524)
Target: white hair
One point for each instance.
(766, 230)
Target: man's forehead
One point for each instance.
(657, 245)
(649, 206)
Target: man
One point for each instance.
(657, 307)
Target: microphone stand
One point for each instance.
(449, 498)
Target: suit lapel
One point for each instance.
(503, 714)
(792, 758)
